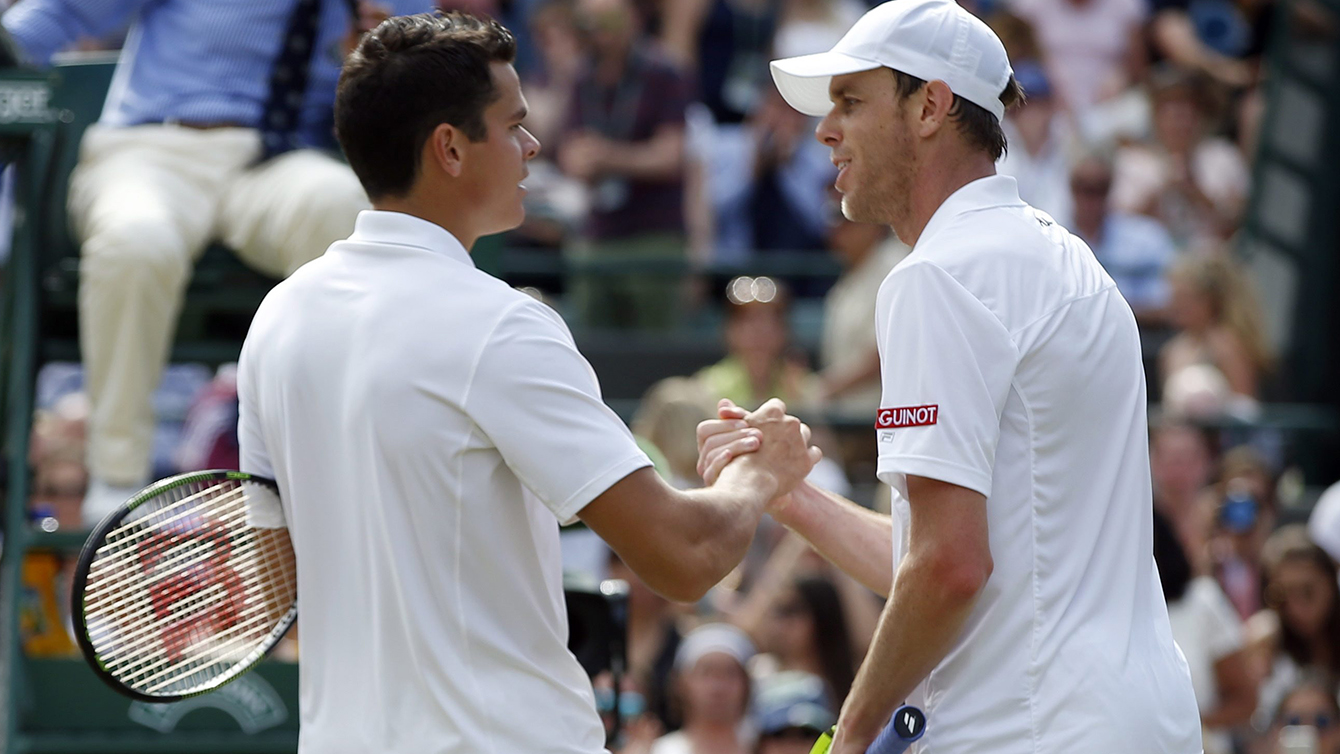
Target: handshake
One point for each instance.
(765, 449)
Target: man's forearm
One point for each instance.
(920, 624)
(718, 523)
(855, 539)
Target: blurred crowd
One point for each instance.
(666, 148)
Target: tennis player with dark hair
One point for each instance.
(1025, 612)
(429, 427)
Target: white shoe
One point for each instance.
(102, 498)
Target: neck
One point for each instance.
(935, 180)
(439, 211)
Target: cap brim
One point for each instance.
(803, 81)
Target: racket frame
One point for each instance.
(97, 538)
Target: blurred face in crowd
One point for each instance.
(1303, 594)
(757, 333)
(870, 136)
(1177, 120)
(1034, 119)
(789, 631)
(494, 167)
(789, 741)
(608, 25)
(1190, 308)
(1311, 706)
(1090, 182)
(716, 690)
(1180, 462)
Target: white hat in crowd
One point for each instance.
(711, 638)
(928, 39)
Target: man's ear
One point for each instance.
(936, 102)
(444, 149)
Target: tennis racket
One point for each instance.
(176, 592)
(905, 727)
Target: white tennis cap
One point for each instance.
(928, 39)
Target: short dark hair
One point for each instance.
(408, 76)
(975, 122)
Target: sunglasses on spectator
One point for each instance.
(1320, 721)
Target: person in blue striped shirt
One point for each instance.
(214, 128)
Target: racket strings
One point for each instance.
(279, 596)
(186, 591)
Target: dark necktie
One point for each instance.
(288, 81)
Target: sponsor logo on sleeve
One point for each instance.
(908, 416)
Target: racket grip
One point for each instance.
(905, 727)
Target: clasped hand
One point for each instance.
(777, 442)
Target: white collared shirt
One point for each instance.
(1011, 366)
(429, 428)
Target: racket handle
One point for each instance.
(905, 727)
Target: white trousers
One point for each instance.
(144, 202)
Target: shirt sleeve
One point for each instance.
(946, 363)
(537, 400)
(43, 28)
(262, 511)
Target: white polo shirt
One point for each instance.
(1011, 366)
(429, 428)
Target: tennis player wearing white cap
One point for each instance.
(1025, 614)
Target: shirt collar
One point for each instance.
(399, 229)
(991, 191)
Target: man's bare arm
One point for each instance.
(857, 540)
(946, 567)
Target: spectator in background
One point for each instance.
(625, 140)
(1215, 311)
(555, 202)
(792, 710)
(1093, 49)
(1182, 461)
(1210, 635)
(767, 182)
(653, 640)
(212, 131)
(1135, 250)
(668, 416)
(712, 687)
(1192, 181)
(806, 629)
(809, 26)
(549, 90)
(1220, 39)
(1242, 509)
(1039, 142)
(848, 351)
(1303, 593)
(731, 44)
(1310, 704)
(758, 363)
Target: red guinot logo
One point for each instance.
(908, 416)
